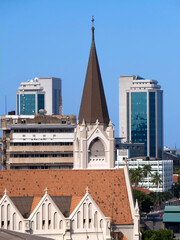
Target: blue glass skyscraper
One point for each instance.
(143, 113)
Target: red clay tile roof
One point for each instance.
(144, 190)
(175, 178)
(75, 201)
(107, 187)
(35, 202)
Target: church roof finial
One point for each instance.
(92, 20)
(46, 190)
(5, 191)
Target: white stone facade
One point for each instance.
(103, 155)
(85, 221)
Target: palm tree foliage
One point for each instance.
(156, 179)
(136, 175)
(146, 170)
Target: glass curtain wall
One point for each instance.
(139, 118)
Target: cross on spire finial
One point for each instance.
(46, 190)
(92, 20)
(5, 191)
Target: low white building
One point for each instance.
(163, 167)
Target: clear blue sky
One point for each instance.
(44, 38)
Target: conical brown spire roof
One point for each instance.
(93, 103)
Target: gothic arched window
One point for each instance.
(96, 149)
(43, 216)
(78, 219)
(55, 220)
(8, 216)
(14, 221)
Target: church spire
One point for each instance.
(93, 104)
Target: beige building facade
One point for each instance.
(37, 142)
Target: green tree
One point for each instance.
(163, 196)
(136, 176)
(145, 202)
(176, 190)
(146, 170)
(156, 179)
(157, 235)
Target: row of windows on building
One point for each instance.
(39, 155)
(43, 130)
(43, 167)
(41, 144)
(142, 83)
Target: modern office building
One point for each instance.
(141, 113)
(163, 167)
(37, 142)
(30, 98)
(53, 97)
(39, 94)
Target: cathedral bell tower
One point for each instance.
(94, 134)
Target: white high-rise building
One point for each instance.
(39, 94)
(141, 113)
(30, 98)
(53, 96)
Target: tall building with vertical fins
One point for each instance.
(141, 113)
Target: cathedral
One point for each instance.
(91, 201)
